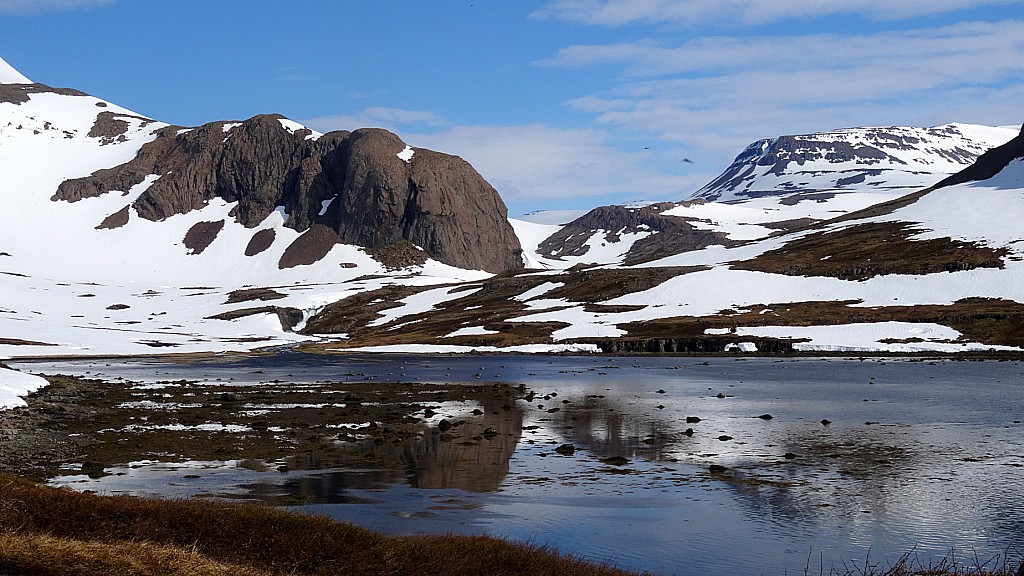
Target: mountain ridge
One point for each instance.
(130, 236)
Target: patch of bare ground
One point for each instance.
(115, 220)
(260, 242)
(47, 529)
(289, 317)
(864, 251)
(310, 247)
(250, 294)
(489, 304)
(20, 342)
(985, 320)
(201, 235)
(399, 255)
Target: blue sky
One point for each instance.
(558, 103)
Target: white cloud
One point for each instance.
(542, 162)
(538, 163)
(388, 118)
(29, 6)
(621, 12)
(720, 93)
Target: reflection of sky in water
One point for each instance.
(937, 467)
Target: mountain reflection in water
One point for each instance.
(916, 457)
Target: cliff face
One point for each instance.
(359, 184)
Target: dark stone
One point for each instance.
(111, 127)
(789, 456)
(201, 235)
(309, 248)
(615, 461)
(765, 416)
(692, 419)
(725, 438)
(717, 469)
(825, 421)
(94, 469)
(19, 93)
(444, 425)
(115, 220)
(260, 241)
(566, 449)
(688, 432)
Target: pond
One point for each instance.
(673, 465)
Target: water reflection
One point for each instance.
(472, 453)
(939, 466)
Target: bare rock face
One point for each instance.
(669, 235)
(353, 183)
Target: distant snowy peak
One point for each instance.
(8, 75)
(854, 159)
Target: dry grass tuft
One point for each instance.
(125, 535)
(41, 555)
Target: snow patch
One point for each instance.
(8, 75)
(406, 154)
(14, 385)
(471, 331)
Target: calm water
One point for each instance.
(923, 457)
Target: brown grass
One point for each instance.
(490, 304)
(45, 528)
(987, 320)
(863, 251)
(43, 555)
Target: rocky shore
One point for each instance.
(35, 439)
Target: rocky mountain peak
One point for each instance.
(881, 158)
(364, 185)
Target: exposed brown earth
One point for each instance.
(115, 220)
(201, 235)
(19, 93)
(260, 242)
(250, 294)
(863, 251)
(490, 304)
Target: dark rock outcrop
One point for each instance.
(669, 235)
(19, 93)
(697, 345)
(353, 183)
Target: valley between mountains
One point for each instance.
(126, 236)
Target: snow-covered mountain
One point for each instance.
(939, 269)
(775, 185)
(123, 235)
(893, 158)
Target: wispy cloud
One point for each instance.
(32, 6)
(722, 92)
(543, 162)
(395, 119)
(537, 165)
(622, 12)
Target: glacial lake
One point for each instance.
(795, 464)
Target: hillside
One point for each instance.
(125, 235)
